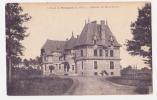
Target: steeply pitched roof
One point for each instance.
(101, 31)
(70, 43)
(109, 34)
(53, 46)
(91, 29)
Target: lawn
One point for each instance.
(130, 82)
(40, 86)
(142, 85)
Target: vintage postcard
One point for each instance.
(79, 48)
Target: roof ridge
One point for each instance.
(56, 40)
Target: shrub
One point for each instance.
(142, 88)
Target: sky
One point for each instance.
(57, 21)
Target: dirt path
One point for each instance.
(98, 86)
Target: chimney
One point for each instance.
(88, 20)
(102, 22)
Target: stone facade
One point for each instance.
(95, 52)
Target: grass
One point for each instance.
(142, 85)
(130, 82)
(39, 86)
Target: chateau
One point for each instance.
(94, 52)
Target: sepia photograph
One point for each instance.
(78, 48)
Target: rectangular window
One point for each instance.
(72, 67)
(45, 67)
(95, 65)
(82, 65)
(95, 53)
(60, 58)
(111, 65)
(81, 52)
(106, 53)
(64, 56)
(100, 52)
(111, 53)
(59, 66)
(112, 73)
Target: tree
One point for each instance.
(39, 60)
(141, 43)
(16, 60)
(15, 32)
(125, 71)
(31, 61)
(26, 62)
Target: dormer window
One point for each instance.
(94, 39)
(111, 53)
(111, 40)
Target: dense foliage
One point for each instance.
(141, 43)
(15, 33)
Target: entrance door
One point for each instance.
(66, 68)
(51, 68)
